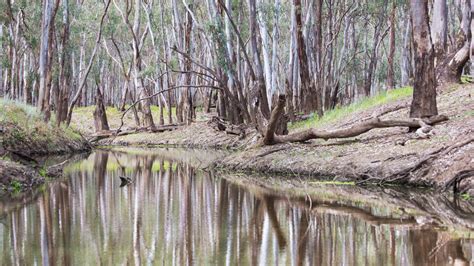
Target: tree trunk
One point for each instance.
(424, 88)
(49, 13)
(308, 91)
(137, 69)
(100, 116)
(260, 91)
(439, 29)
(450, 69)
(65, 71)
(391, 53)
(187, 93)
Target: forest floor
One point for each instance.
(24, 140)
(391, 155)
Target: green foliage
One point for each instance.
(218, 36)
(43, 172)
(465, 196)
(340, 112)
(15, 186)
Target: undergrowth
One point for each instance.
(22, 124)
(364, 104)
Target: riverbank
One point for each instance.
(391, 155)
(24, 137)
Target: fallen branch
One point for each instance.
(220, 125)
(114, 133)
(271, 138)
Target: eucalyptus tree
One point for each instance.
(236, 56)
(424, 88)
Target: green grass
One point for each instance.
(342, 111)
(467, 79)
(23, 123)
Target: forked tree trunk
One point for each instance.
(424, 87)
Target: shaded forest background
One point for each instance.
(232, 56)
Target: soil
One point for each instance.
(391, 155)
(21, 164)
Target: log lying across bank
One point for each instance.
(114, 133)
(270, 138)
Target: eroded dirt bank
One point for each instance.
(24, 138)
(391, 155)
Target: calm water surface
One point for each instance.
(173, 214)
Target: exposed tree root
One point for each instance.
(424, 163)
(270, 138)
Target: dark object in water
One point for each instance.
(125, 181)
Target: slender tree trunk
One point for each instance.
(137, 69)
(405, 66)
(188, 98)
(378, 37)
(65, 71)
(439, 29)
(49, 13)
(391, 53)
(260, 92)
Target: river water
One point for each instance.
(176, 214)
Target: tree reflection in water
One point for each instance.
(173, 214)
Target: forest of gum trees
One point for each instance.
(232, 56)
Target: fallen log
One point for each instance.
(114, 133)
(270, 138)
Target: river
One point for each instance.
(178, 212)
